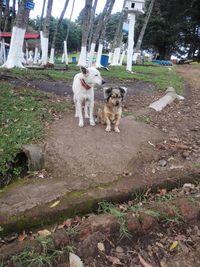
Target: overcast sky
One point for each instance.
(79, 4)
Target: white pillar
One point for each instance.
(65, 53)
(51, 60)
(63, 58)
(83, 56)
(99, 54)
(44, 47)
(35, 61)
(110, 57)
(15, 53)
(130, 42)
(91, 55)
(122, 58)
(116, 56)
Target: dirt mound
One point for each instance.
(93, 153)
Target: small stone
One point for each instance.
(101, 246)
(189, 185)
(119, 249)
(162, 163)
(185, 154)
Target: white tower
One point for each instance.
(133, 8)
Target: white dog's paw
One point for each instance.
(81, 124)
(92, 123)
(76, 116)
(87, 116)
(108, 129)
(117, 130)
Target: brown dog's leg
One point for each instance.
(116, 127)
(108, 124)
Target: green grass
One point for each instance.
(45, 74)
(22, 117)
(46, 257)
(161, 76)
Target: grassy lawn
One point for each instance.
(23, 114)
(162, 76)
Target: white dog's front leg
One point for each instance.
(76, 109)
(92, 123)
(86, 109)
(80, 115)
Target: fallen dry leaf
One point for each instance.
(173, 245)
(113, 260)
(44, 233)
(163, 192)
(66, 223)
(163, 264)
(22, 236)
(55, 204)
(143, 262)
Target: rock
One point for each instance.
(74, 261)
(35, 156)
(188, 211)
(105, 223)
(89, 247)
(148, 221)
(162, 163)
(60, 238)
(133, 223)
(185, 154)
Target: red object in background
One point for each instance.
(27, 35)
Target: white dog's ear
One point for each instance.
(123, 91)
(84, 70)
(107, 91)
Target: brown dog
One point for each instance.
(112, 111)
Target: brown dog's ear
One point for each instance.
(123, 91)
(107, 92)
(84, 70)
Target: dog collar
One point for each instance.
(85, 85)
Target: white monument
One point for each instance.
(133, 8)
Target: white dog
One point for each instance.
(83, 89)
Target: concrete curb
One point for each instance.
(96, 227)
(82, 202)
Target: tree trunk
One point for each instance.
(91, 44)
(56, 31)
(70, 18)
(1, 9)
(97, 33)
(13, 11)
(103, 32)
(85, 32)
(117, 42)
(6, 15)
(15, 53)
(42, 14)
(142, 32)
(65, 57)
(92, 22)
(45, 33)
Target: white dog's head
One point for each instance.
(92, 76)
